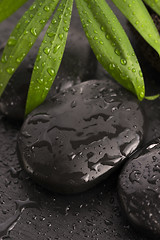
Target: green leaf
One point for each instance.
(23, 37)
(111, 44)
(155, 5)
(49, 56)
(152, 97)
(7, 7)
(136, 12)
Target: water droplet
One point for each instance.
(53, 21)
(42, 21)
(112, 66)
(123, 61)
(51, 34)
(40, 81)
(43, 64)
(117, 51)
(71, 156)
(60, 36)
(12, 41)
(66, 29)
(33, 31)
(102, 29)
(124, 76)
(4, 59)
(10, 223)
(33, 7)
(25, 32)
(56, 48)
(90, 222)
(46, 50)
(101, 42)
(134, 176)
(10, 70)
(46, 8)
(51, 71)
(36, 67)
(98, 57)
(38, 58)
(108, 37)
(60, 16)
(108, 222)
(95, 38)
(19, 59)
(113, 44)
(27, 21)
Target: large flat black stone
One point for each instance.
(79, 136)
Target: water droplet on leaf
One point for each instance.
(10, 70)
(46, 8)
(51, 71)
(12, 41)
(60, 36)
(33, 31)
(123, 61)
(46, 50)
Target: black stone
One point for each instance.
(77, 138)
(139, 189)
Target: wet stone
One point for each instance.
(139, 189)
(78, 137)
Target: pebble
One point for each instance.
(78, 137)
(139, 189)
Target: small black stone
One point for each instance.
(139, 189)
(78, 137)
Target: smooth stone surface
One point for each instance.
(139, 189)
(77, 138)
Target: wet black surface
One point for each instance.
(78, 137)
(139, 189)
(95, 214)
